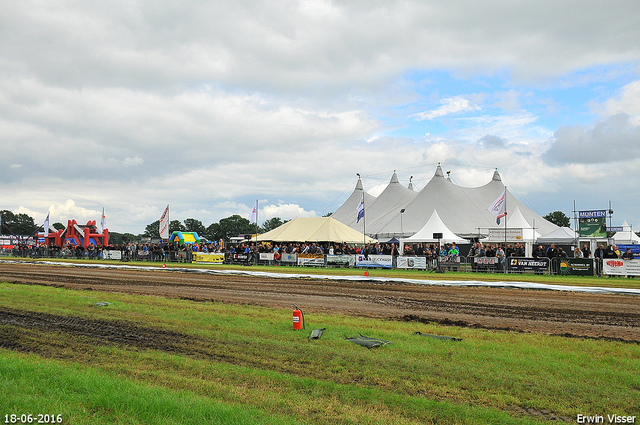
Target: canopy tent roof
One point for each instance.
(463, 210)
(393, 198)
(314, 229)
(347, 211)
(627, 236)
(434, 225)
(564, 235)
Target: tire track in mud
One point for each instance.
(601, 316)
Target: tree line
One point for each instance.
(24, 225)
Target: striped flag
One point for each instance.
(164, 224)
(499, 206)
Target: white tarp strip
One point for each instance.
(519, 285)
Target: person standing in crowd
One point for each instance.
(628, 255)
(577, 253)
(552, 252)
(586, 252)
(501, 256)
(599, 255)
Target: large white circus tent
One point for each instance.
(463, 210)
(347, 211)
(394, 197)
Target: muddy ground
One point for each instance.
(613, 317)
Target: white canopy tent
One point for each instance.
(434, 225)
(626, 237)
(314, 229)
(564, 236)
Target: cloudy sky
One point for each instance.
(208, 106)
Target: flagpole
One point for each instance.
(505, 216)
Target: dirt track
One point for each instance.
(615, 317)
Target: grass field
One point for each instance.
(232, 364)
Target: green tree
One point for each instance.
(558, 218)
(20, 224)
(271, 224)
(152, 230)
(229, 227)
(193, 225)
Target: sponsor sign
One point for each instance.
(538, 265)
(592, 214)
(575, 266)
(485, 261)
(615, 229)
(112, 254)
(315, 260)
(239, 258)
(592, 224)
(403, 262)
(199, 257)
(266, 256)
(513, 235)
(620, 267)
(338, 260)
(289, 258)
(384, 261)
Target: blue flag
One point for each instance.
(360, 209)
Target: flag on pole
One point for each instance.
(253, 218)
(360, 209)
(499, 206)
(164, 224)
(103, 220)
(46, 226)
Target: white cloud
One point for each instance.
(611, 140)
(450, 105)
(627, 102)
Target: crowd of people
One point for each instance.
(434, 253)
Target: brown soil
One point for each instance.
(613, 317)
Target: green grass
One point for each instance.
(244, 364)
(611, 282)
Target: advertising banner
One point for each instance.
(538, 265)
(112, 254)
(575, 266)
(314, 260)
(339, 260)
(620, 267)
(498, 235)
(384, 261)
(199, 257)
(239, 258)
(592, 224)
(403, 262)
(289, 258)
(266, 256)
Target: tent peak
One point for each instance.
(411, 183)
(394, 178)
(439, 172)
(496, 176)
(359, 184)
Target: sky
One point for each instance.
(208, 106)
